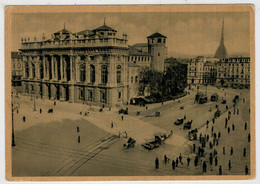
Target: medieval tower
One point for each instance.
(158, 50)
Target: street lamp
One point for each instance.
(15, 106)
(34, 105)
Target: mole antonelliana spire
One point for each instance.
(221, 51)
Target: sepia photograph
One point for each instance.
(130, 91)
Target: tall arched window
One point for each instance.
(26, 70)
(82, 73)
(118, 73)
(92, 73)
(33, 70)
(104, 74)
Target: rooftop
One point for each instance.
(156, 35)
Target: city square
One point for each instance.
(100, 102)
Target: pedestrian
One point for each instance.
(215, 135)
(54, 102)
(246, 170)
(207, 122)
(122, 117)
(180, 158)
(229, 165)
(17, 111)
(216, 161)
(204, 166)
(184, 116)
(228, 130)
(146, 107)
(231, 151)
(225, 124)
(40, 111)
(211, 159)
(219, 135)
(212, 129)
(78, 139)
(24, 119)
(233, 127)
(162, 102)
(210, 145)
(237, 111)
(249, 137)
(173, 164)
(109, 108)
(207, 138)
(244, 152)
(156, 163)
(215, 152)
(188, 161)
(196, 160)
(200, 137)
(224, 150)
(177, 162)
(165, 159)
(220, 170)
(112, 124)
(216, 142)
(213, 120)
(194, 148)
(243, 100)
(245, 125)
(77, 129)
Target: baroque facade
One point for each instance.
(92, 66)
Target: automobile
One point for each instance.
(187, 125)
(179, 121)
(214, 97)
(223, 101)
(123, 111)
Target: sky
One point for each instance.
(188, 34)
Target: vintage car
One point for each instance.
(214, 97)
(179, 121)
(187, 125)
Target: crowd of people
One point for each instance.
(204, 151)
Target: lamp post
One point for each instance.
(16, 107)
(34, 105)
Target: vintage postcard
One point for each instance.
(148, 92)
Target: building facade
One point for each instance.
(92, 66)
(234, 71)
(16, 68)
(202, 70)
(89, 67)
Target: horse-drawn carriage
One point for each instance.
(130, 143)
(192, 135)
(217, 113)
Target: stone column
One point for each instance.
(24, 72)
(30, 69)
(65, 70)
(56, 69)
(48, 69)
(61, 69)
(62, 93)
(44, 67)
(71, 68)
(71, 94)
(52, 66)
(53, 91)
